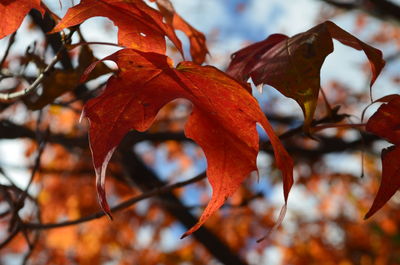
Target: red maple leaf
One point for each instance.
(139, 26)
(223, 120)
(198, 48)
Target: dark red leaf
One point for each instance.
(386, 121)
(387, 98)
(292, 65)
(243, 61)
(386, 124)
(390, 182)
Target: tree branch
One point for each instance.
(118, 207)
(381, 9)
(46, 23)
(39, 79)
(145, 179)
(10, 43)
(10, 130)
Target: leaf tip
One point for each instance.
(82, 115)
(101, 195)
(100, 184)
(184, 235)
(260, 87)
(278, 223)
(370, 213)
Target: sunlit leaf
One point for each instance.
(223, 120)
(139, 26)
(198, 47)
(12, 12)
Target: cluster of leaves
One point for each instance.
(224, 117)
(224, 112)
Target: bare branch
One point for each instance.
(381, 9)
(10, 43)
(35, 84)
(120, 206)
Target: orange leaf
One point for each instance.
(390, 182)
(12, 12)
(292, 65)
(139, 26)
(198, 47)
(223, 121)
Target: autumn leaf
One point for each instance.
(390, 182)
(292, 65)
(139, 26)
(198, 47)
(386, 121)
(243, 60)
(12, 12)
(386, 124)
(223, 120)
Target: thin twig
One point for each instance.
(16, 224)
(9, 238)
(31, 245)
(10, 180)
(14, 227)
(17, 190)
(10, 43)
(118, 207)
(39, 79)
(346, 125)
(334, 117)
(75, 45)
(34, 85)
(35, 169)
(36, 237)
